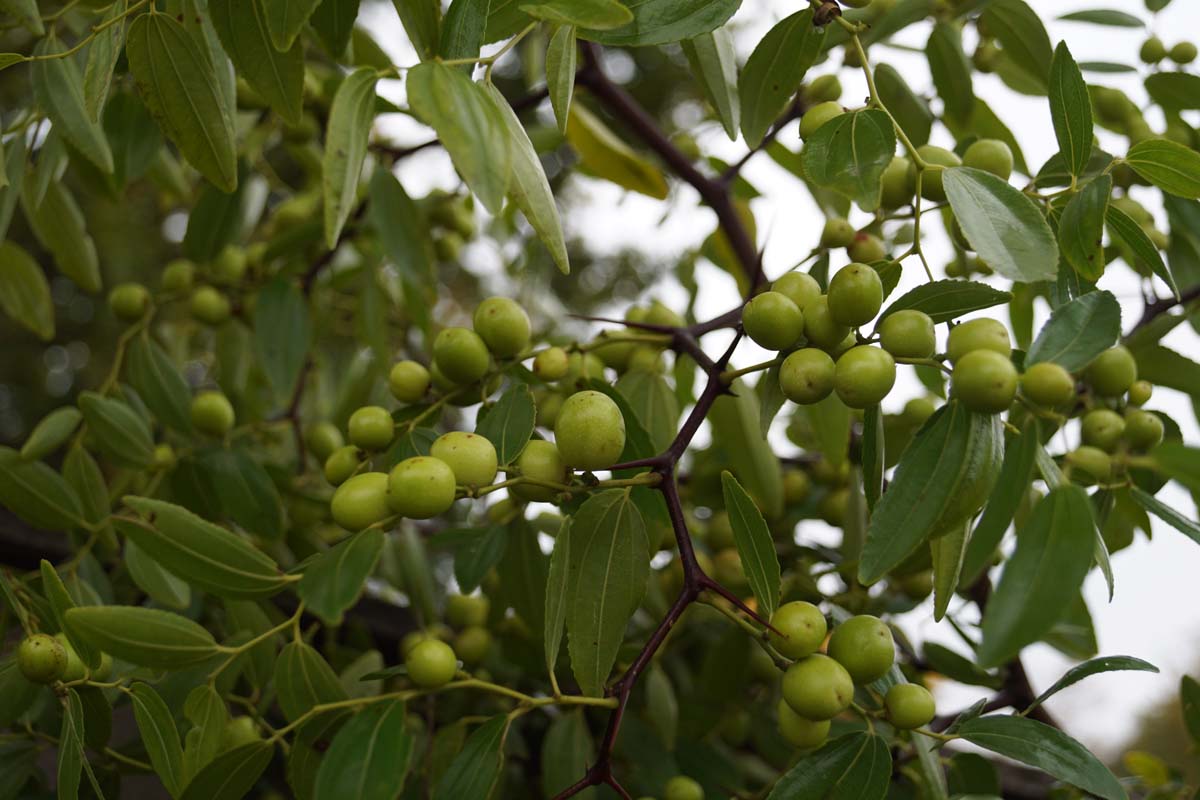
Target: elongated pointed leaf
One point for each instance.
(144, 636)
(421, 20)
(1070, 110)
(247, 495)
(333, 582)
(368, 757)
(663, 21)
(509, 423)
(1125, 229)
(277, 76)
(1093, 667)
(607, 156)
(58, 86)
(232, 774)
(60, 603)
(594, 14)
(1077, 332)
(103, 54)
(948, 299)
(849, 154)
(24, 292)
(1167, 514)
(163, 587)
(856, 765)
(947, 554)
(159, 383)
(304, 679)
(557, 592)
(562, 54)
(475, 770)
(51, 432)
(156, 725)
(286, 18)
(59, 226)
(950, 70)
(774, 71)
(283, 333)
(1081, 229)
(754, 544)
(1015, 475)
(1168, 165)
(37, 494)
(1020, 32)
(463, 30)
(346, 147)
(714, 65)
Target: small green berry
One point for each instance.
(408, 381)
(371, 428)
(773, 321)
(421, 487)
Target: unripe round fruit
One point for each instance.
(864, 375)
(855, 294)
(908, 333)
(897, 181)
(1143, 430)
(818, 687)
(323, 439)
(864, 646)
(467, 610)
(773, 321)
(990, 155)
(985, 381)
(682, 787)
(1112, 372)
(917, 410)
(936, 158)
(178, 275)
(431, 664)
(420, 487)
(802, 626)
(1183, 53)
(909, 706)
(540, 460)
(796, 486)
(239, 731)
(472, 645)
(41, 658)
(1152, 50)
(820, 328)
(838, 232)
(801, 733)
(361, 501)
(985, 56)
(866, 248)
(212, 413)
(448, 246)
(806, 376)
(799, 287)
(230, 265)
(978, 334)
(471, 457)
(408, 381)
(551, 364)
(728, 570)
(660, 314)
(461, 355)
(645, 358)
(1091, 460)
(76, 669)
(209, 306)
(582, 367)
(164, 456)
(1102, 428)
(823, 89)
(590, 431)
(817, 116)
(341, 464)
(371, 428)
(614, 353)
(129, 301)
(503, 325)
(548, 406)
(1048, 384)
(833, 507)
(720, 531)
(1140, 393)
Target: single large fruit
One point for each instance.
(341, 464)
(801, 627)
(990, 155)
(1140, 393)
(1112, 372)
(431, 663)
(41, 658)
(590, 431)
(540, 461)
(936, 159)
(1143, 430)
(799, 287)
(1183, 53)
(129, 301)
(866, 248)
(1103, 428)
(838, 232)
(806, 376)
(1048, 384)
(818, 687)
(909, 706)
(864, 646)
(361, 501)
(503, 325)
(467, 610)
(801, 733)
(773, 321)
(212, 413)
(323, 439)
(551, 364)
(461, 355)
(817, 116)
(1152, 50)
(682, 787)
(985, 381)
(408, 381)
(908, 333)
(421, 487)
(978, 334)
(898, 184)
(864, 375)
(371, 428)
(820, 328)
(470, 456)
(855, 294)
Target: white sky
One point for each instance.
(1154, 614)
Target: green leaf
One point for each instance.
(304, 679)
(368, 757)
(1077, 332)
(206, 711)
(58, 87)
(120, 433)
(26, 14)
(947, 554)
(774, 71)
(463, 30)
(849, 154)
(1125, 229)
(509, 423)
(60, 603)
(1081, 229)
(59, 225)
(663, 21)
(85, 479)
(857, 765)
(475, 552)
(72, 760)
(562, 54)
(557, 592)
(159, 383)
(1043, 747)
(943, 478)
(1168, 165)
(948, 299)
(476, 769)
(215, 221)
(286, 18)
(653, 403)
(278, 77)
(1093, 667)
(283, 333)
(203, 554)
(345, 148)
(333, 582)
(24, 292)
(598, 15)
(1023, 37)
(1042, 577)
(421, 20)
(605, 155)
(1107, 67)
(147, 637)
(754, 544)
(402, 229)
(714, 66)
(51, 432)
(1015, 475)
(1070, 110)
(528, 186)
(231, 775)
(154, 579)
(179, 84)
(1105, 16)
(1176, 91)
(608, 567)
(333, 21)
(957, 667)
(910, 109)
(770, 399)
(567, 751)
(1189, 701)
(16, 693)
(1167, 514)
(247, 495)
(37, 494)
(873, 456)
(12, 181)
(522, 572)
(747, 454)
(950, 70)
(160, 737)
(1003, 226)
(103, 54)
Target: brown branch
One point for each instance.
(1157, 308)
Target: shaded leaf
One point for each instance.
(24, 292)
(346, 139)
(754, 544)
(144, 636)
(333, 582)
(243, 28)
(849, 154)
(774, 71)
(1077, 332)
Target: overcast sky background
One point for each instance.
(1154, 614)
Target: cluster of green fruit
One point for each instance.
(44, 659)
(453, 223)
(1154, 50)
(430, 661)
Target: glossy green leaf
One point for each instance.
(874, 457)
(747, 455)
(1016, 472)
(1003, 226)
(179, 84)
(1177, 91)
(1094, 666)
(910, 109)
(1070, 110)
(159, 383)
(205, 555)
(1043, 747)
(653, 403)
(1081, 229)
(984, 123)
(595, 14)
(103, 54)
(1126, 230)
(1078, 331)
(58, 86)
(285, 19)
(509, 423)
(333, 582)
(857, 765)
(774, 71)
(1168, 165)
(345, 148)
(1105, 16)
(162, 586)
(557, 593)
(58, 223)
(1023, 37)
(37, 494)
(754, 544)
(1167, 514)
(232, 774)
(946, 300)
(282, 332)
(1042, 577)
(304, 679)
(215, 222)
(947, 553)
(120, 433)
(605, 155)
(156, 726)
(663, 21)
(714, 65)
(277, 76)
(24, 292)
(950, 70)
(476, 551)
(147, 637)
(51, 433)
(849, 154)
(476, 769)
(369, 756)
